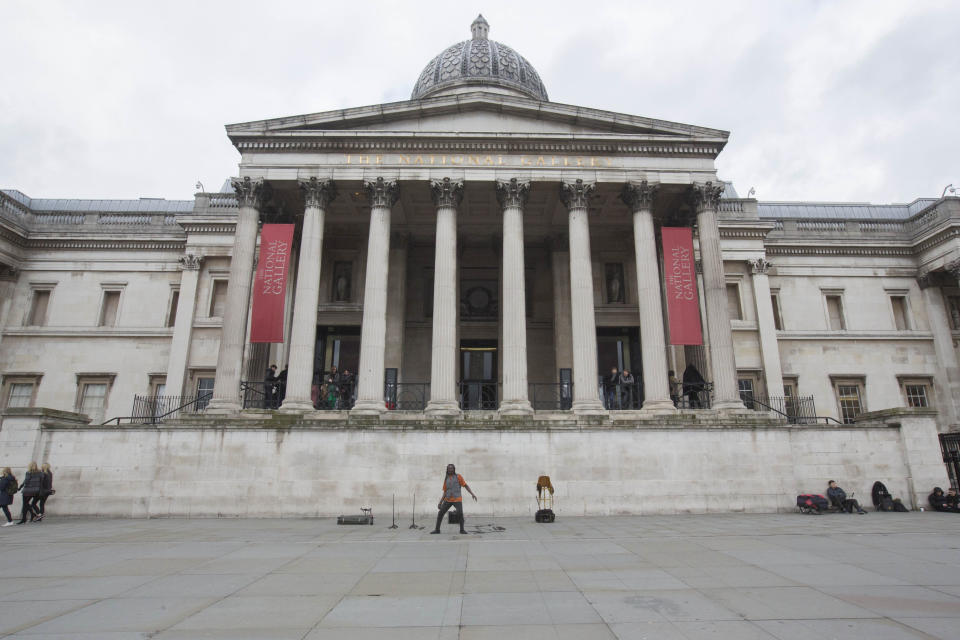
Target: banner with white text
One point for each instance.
(270, 283)
(680, 275)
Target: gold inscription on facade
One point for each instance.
(461, 160)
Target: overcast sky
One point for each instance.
(824, 100)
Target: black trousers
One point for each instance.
(41, 501)
(27, 507)
(446, 507)
(6, 512)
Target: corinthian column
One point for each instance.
(656, 386)
(769, 349)
(183, 323)
(318, 194)
(575, 197)
(447, 195)
(226, 388)
(512, 195)
(706, 198)
(382, 195)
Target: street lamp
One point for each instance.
(949, 188)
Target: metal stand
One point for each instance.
(393, 511)
(413, 514)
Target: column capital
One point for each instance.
(318, 193)
(512, 193)
(926, 280)
(250, 191)
(576, 195)
(446, 192)
(953, 267)
(704, 196)
(190, 262)
(759, 265)
(639, 195)
(382, 193)
(8, 272)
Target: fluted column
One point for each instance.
(383, 195)
(447, 195)
(656, 387)
(318, 194)
(512, 196)
(183, 323)
(706, 198)
(576, 196)
(769, 349)
(226, 389)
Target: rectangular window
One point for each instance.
(218, 298)
(204, 388)
(835, 312)
(775, 302)
(733, 301)
(900, 319)
(791, 407)
(916, 395)
(747, 392)
(93, 400)
(21, 394)
(174, 303)
(849, 400)
(108, 310)
(38, 308)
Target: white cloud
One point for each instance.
(824, 100)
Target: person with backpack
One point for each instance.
(839, 497)
(8, 487)
(31, 487)
(46, 489)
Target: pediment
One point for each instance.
(476, 113)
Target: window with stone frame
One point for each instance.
(790, 402)
(93, 393)
(748, 386)
(109, 307)
(203, 383)
(901, 311)
(39, 306)
(775, 303)
(172, 307)
(734, 307)
(20, 390)
(218, 298)
(835, 317)
(917, 392)
(850, 398)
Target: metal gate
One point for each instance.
(950, 445)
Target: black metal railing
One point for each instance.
(622, 396)
(154, 409)
(259, 394)
(796, 409)
(950, 446)
(406, 396)
(476, 396)
(693, 396)
(551, 396)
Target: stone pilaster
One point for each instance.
(947, 381)
(512, 196)
(656, 387)
(575, 197)
(226, 390)
(769, 348)
(318, 194)
(382, 194)
(446, 195)
(183, 323)
(705, 199)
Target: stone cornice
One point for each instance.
(836, 250)
(91, 244)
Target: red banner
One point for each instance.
(270, 284)
(681, 279)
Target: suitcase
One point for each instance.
(545, 515)
(453, 516)
(812, 503)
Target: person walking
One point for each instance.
(46, 489)
(451, 497)
(32, 484)
(8, 487)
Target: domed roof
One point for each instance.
(479, 61)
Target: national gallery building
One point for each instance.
(455, 278)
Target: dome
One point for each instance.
(479, 61)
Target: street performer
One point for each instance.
(451, 497)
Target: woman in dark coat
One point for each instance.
(7, 482)
(46, 489)
(31, 487)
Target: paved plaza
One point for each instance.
(786, 576)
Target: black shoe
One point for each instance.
(462, 531)
(435, 531)
(862, 512)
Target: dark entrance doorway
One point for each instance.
(336, 347)
(619, 347)
(478, 375)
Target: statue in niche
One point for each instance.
(614, 273)
(342, 276)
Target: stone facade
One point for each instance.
(479, 257)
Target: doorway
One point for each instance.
(619, 347)
(478, 375)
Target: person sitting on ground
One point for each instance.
(839, 498)
(939, 501)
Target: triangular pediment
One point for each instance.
(477, 113)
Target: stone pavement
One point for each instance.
(785, 576)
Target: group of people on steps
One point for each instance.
(37, 486)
